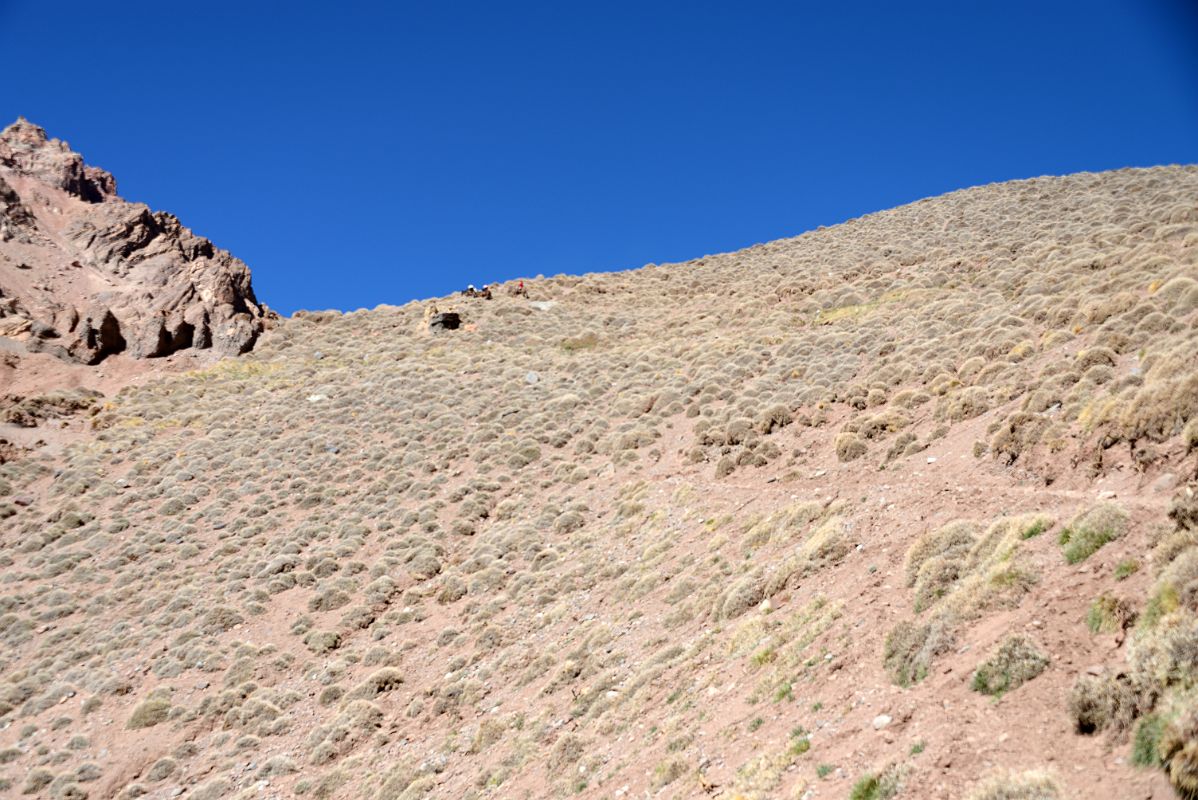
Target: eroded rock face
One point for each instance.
(85, 274)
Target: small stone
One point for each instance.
(1165, 483)
(881, 721)
(1106, 495)
(1094, 670)
(931, 459)
(532, 378)
(23, 500)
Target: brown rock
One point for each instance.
(147, 285)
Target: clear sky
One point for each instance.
(359, 153)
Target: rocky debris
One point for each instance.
(27, 412)
(8, 451)
(16, 221)
(85, 274)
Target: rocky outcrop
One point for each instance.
(85, 274)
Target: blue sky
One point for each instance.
(363, 153)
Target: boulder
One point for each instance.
(445, 321)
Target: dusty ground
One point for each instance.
(646, 534)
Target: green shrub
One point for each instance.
(1035, 528)
(880, 786)
(1126, 568)
(1145, 750)
(1089, 531)
(1016, 661)
(1109, 615)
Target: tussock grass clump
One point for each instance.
(1092, 529)
(957, 570)
(1109, 614)
(150, 712)
(1017, 660)
(741, 596)
(951, 541)
(668, 771)
(1178, 753)
(911, 647)
(1097, 703)
(850, 447)
(878, 786)
(1146, 745)
(1032, 785)
(380, 682)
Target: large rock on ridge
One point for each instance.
(85, 274)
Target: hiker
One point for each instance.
(486, 292)
(469, 291)
(520, 291)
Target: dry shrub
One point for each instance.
(1099, 702)
(1017, 660)
(565, 753)
(773, 418)
(1032, 785)
(668, 771)
(954, 540)
(937, 577)
(377, 683)
(150, 712)
(1092, 529)
(1178, 753)
(1167, 401)
(911, 647)
(882, 424)
(849, 447)
(965, 404)
(1017, 434)
(1109, 614)
(827, 545)
(741, 596)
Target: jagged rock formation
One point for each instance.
(85, 274)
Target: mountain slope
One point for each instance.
(883, 508)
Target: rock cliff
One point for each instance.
(85, 274)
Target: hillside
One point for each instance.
(901, 507)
